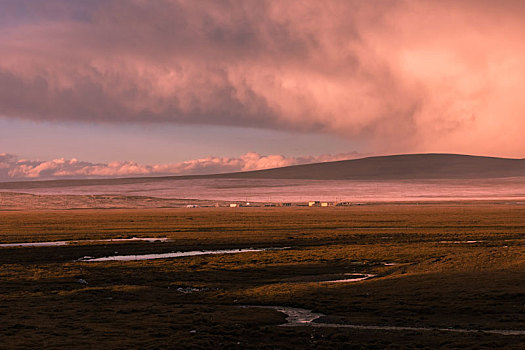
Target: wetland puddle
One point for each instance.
(295, 316)
(35, 244)
(133, 239)
(304, 317)
(355, 278)
(332, 278)
(62, 243)
(175, 254)
(328, 278)
(459, 242)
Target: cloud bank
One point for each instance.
(407, 75)
(12, 168)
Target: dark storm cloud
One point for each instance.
(408, 75)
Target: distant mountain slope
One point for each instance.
(396, 167)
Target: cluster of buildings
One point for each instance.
(327, 204)
(289, 204)
(281, 204)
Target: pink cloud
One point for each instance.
(11, 168)
(407, 75)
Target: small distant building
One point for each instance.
(343, 204)
(327, 204)
(234, 205)
(192, 206)
(314, 203)
(286, 204)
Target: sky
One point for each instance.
(134, 87)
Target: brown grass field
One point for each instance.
(435, 283)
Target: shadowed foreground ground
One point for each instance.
(435, 265)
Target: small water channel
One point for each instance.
(356, 278)
(62, 243)
(174, 254)
(302, 317)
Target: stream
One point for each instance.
(304, 317)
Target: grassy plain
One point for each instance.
(437, 279)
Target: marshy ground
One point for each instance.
(441, 265)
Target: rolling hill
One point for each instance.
(394, 167)
(397, 167)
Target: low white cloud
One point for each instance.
(12, 168)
